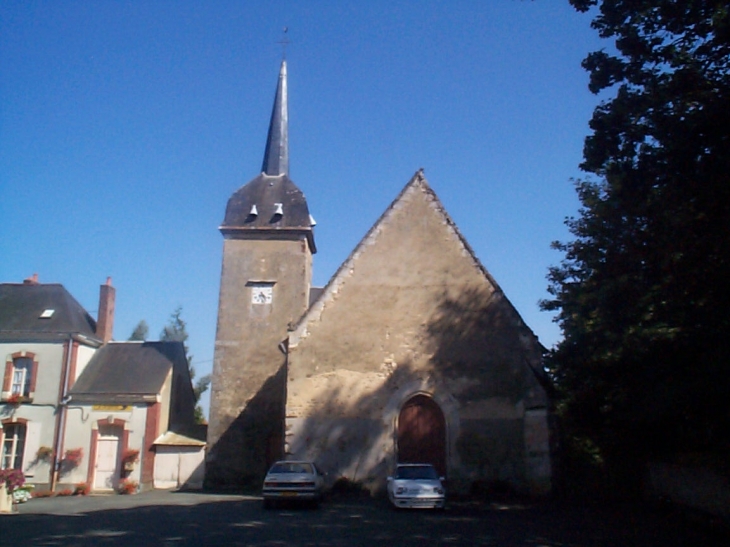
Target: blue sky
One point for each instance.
(125, 126)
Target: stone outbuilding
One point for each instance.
(411, 353)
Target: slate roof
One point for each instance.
(21, 306)
(128, 372)
(265, 192)
(276, 156)
(271, 205)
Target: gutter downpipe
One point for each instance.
(61, 417)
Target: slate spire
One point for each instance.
(276, 156)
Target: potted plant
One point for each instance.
(129, 458)
(10, 480)
(74, 456)
(82, 489)
(44, 454)
(23, 493)
(128, 486)
(14, 400)
(71, 460)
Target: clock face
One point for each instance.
(261, 294)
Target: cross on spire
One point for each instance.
(284, 42)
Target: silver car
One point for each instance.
(293, 481)
(416, 485)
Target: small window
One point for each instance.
(47, 314)
(13, 445)
(21, 376)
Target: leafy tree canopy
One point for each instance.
(176, 331)
(642, 293)
(140, 332)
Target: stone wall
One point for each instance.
(413, 312)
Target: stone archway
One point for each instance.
(422, 433)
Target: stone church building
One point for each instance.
(411, 353)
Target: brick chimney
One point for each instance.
(105, 321)
(32, 280)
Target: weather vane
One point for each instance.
(284, 42)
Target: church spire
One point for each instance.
(276, 157)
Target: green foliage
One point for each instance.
(176, 331)
(642, 292)
(201, 386)
(140, 332)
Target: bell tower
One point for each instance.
(268, 243)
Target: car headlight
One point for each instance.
(401, 490)
(438, 490)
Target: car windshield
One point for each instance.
(416, 472)
(292, 467)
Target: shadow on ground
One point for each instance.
(187, 520)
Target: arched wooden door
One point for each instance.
(422, 433)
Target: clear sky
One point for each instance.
(125, 126)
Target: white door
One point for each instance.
(107, 459)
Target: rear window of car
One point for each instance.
(292, 467)
(416, 472)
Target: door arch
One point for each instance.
(421, 436)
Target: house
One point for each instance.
(411, 353)
(129, 395)
(47, 340)
(77, 407)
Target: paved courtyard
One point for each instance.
(187, 519)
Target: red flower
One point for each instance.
(12, 478)
(130, 456)
(74, 456)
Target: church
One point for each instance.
(410, 353)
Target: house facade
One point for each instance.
(78, 408)
(411, 353)
(47, 339)
(129, 395)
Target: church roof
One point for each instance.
(32, 312)
(271, 204)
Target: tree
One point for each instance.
(642, 292)
(176, 331)
(140, 332)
